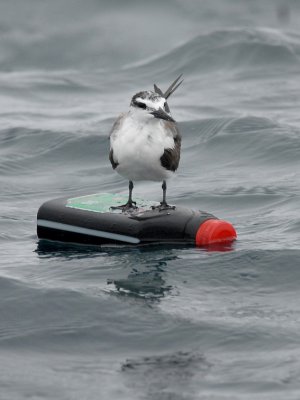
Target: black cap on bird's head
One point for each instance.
(155, 103)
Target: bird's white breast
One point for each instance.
(138, 145)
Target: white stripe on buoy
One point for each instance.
(85, 231)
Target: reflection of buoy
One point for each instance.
(89, 220)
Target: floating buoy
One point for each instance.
(91, 220)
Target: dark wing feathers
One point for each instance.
(170, 158)
(111, 159)
(117, 124)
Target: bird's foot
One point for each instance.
(129, 206)
(163, 206)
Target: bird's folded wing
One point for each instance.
(170, 158)
(117, 125)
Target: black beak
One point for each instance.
(161, 114)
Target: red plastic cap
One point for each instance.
(215, 231)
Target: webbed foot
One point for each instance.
(129, 206)
(163, 206)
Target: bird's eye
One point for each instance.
(141, 105)
(165, 104)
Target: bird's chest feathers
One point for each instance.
(141, 141)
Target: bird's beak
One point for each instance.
(161, 114)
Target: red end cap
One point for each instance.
(214, 231)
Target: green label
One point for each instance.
(102, 203)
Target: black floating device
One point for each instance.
(91, 220)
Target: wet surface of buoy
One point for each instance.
(90, 220)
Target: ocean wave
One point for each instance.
(232, 141)
(240, 139)
(23, 150)
(78, 46)
(228, 49)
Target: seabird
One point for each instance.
(145, 142)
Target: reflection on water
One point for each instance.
(220, 247)
(147, 284)
(138, 272)
(147, 276)
(132, 271)
(47, 248)
(50, 249)
(166, 373)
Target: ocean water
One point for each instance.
(158, 322)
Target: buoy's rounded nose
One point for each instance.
(214, 231)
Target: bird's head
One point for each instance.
(149, 103)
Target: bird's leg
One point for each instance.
(163, 204)
(164, 188)
(130, 204)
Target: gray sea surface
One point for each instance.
(154, 322)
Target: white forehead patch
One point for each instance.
(156, 103)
